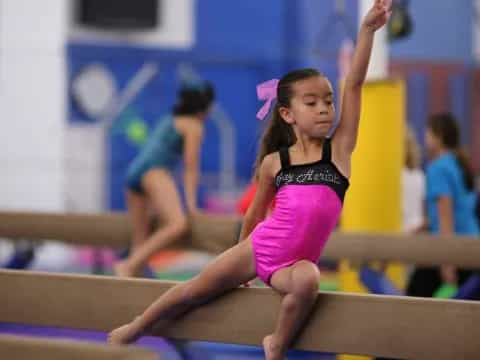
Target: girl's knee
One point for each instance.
(306, 278)
(176, 227)
(180, 226)
(291, 303)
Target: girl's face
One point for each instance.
(311, 109)
(432, 142)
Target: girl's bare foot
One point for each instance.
(123, 335)
(272, 350)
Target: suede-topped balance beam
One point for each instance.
(106, 229)
(398, 327)
(427, 250)
(212, 233)
(27, 348)
(216, 233)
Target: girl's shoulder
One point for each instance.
(271, 164)
(188, 125)
(446, 162)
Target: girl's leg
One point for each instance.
(229, 270)
(299, 283)
(139, 220)
(163, 195)
(137, 207)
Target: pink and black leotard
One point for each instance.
(308, 203)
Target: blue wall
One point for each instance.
(239, 44)
(442, 32)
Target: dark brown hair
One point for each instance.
(279, 133)
(445, 128)
(192, 100)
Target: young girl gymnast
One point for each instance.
(307, 174)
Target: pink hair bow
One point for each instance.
(266, 91)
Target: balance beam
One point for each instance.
(106, 229)
(23, 348)
(216, 233)
(424, 250)
(398, 327)
(212, 233)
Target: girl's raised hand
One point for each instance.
(378, 15)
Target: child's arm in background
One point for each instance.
(446, 228)
(193, 139)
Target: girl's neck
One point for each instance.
(439, 152)
(189, 117)
(307, 145)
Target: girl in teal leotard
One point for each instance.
(150, 182)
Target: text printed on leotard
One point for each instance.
(308, 176)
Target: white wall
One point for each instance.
(32, 103)
(85, 182)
